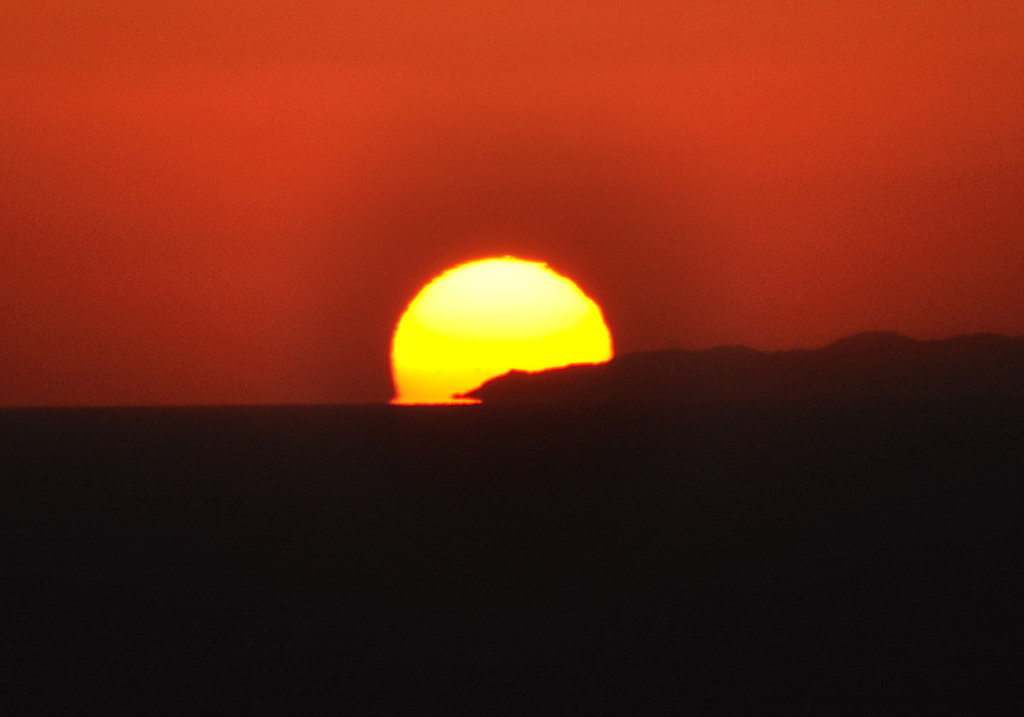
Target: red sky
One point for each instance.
(220, 202)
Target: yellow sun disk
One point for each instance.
(482, 319)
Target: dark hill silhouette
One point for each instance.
(874, 365)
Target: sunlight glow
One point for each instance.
(485, 318)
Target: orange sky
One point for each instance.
(222, 202)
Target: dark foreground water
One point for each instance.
(506, 560)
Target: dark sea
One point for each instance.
(513, 559)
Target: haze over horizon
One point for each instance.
(200, 204)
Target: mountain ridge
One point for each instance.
(868, 365)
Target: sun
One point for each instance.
(487, 317)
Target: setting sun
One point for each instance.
(485, 318)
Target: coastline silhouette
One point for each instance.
(872, 365)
